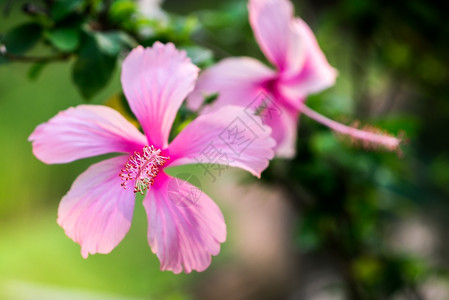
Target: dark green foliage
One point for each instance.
(112, 42)
(65, 39)
(63, 8)
(35, 70)
(93, 67)
(95, 33)
(200, 56)
(122, 11)
(22, 38)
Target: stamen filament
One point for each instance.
(142, 168)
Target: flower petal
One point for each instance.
(271, 21)
(236, 80)
(96, 212)
(185, 227)
(315, 75)
(84, 131)
(231, 136)
(284, 125)
(155, 81)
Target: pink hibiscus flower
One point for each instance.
(301, 69)
(97, 210)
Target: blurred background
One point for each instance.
(336, 222)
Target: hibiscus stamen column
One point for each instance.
(143, 168)
(366, 137)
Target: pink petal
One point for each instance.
(185, 227)
(84, 131)
(155, 81)
(271, 21)
(316, 73)
(236, 80)
(96, 212)
(284, 126)
(230, 136)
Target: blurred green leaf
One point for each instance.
(126, 106)
(35, 70)
(182, 28)
(119, 103)
(183, 118)
(408, 124)
(325, 143)
(439, 171)
(232, 14)
(414, 268)
(22, 38)
(308, 238)
(62, 8)
(110, 43)
(200, 56)
(369, 269)
(93, 69)
(122, 10)
(65, 39)
(209, 99)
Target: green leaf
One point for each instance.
(368, 269)
(110, 43)
(62, 8)
(92, 69)
(122, 10)
(200, 56)
(209, 99)
(22, 38)
(65, 39)
(35, 70)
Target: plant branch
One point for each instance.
(32, 59)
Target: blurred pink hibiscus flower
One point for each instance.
(278, 95)
(97, 210)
